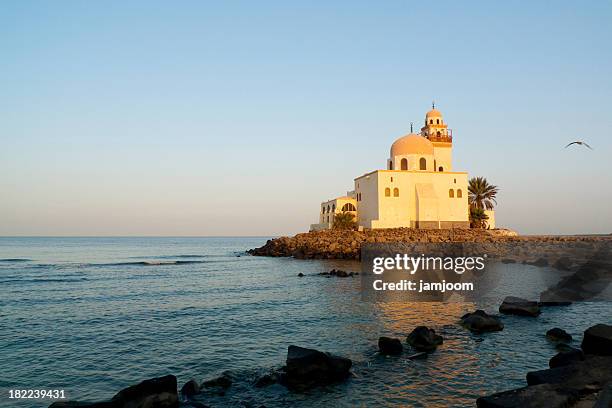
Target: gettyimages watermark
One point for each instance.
(547, 272)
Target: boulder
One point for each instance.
(219, 382)
(390, 346)
(587, 376)
(558, 335)
(154, 393)
(424, 339)
(566, 357)
(518, 306)
(342, 274)
(598, 340)
(300, 275)
(480, 322)
(190, 388)
(536, 396)
(307, 368)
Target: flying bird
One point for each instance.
(578, 142)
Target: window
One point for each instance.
(396, 192)
(404, 164)
(431, 121)
(437, 123)
(459, 193)
(423, 163)
(390, 165)
(334, 208)
(440, 168)
(348, 207)
(387, 192)
(451, 193)
(392, 179)
(328, 209)
(438, 133)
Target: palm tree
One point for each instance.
(478, 218)
(345, 221)
(481, 194)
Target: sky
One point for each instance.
(240, 118)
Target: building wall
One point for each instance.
(491, 221)
(423, 200)
(443, 155)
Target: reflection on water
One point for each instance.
(94, 315)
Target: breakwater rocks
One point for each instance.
(576, 378)
(341, 244)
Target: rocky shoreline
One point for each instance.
(342, 244)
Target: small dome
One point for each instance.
(411, 144)
(434, 113)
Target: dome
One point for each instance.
(434, 113)
(411, 144)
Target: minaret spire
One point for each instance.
(433, 104)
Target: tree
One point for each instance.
(478, 218)
(481, 194)
(344, 221)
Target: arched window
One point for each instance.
(387, 192)
(404, 164)
(451, 193)
(348, 207)
(390, 165)
(440, 168)
(334, 208)
(438, 133)
(396, 192)
(423, 163)
(328, 209)
(459, 193)
(437, 121)
(431, 121)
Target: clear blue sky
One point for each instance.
(239, 118)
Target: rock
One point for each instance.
(390, 346)
(154, 393)
(518, 306)
(300, 275)
(480, 322)
(585, 376)
(536, 396)
(563, 264)
(307, 368)
(219, 382)
(190, 388)
(559, 335)
(598, 340)
(604, 399)
(538, 262)
(424, 339)
(266, 380)
(566, 357)
(342, 274)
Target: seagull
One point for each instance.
(578, 142)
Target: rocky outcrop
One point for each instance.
(307, 368)
(423, 338)
(558, 335)
(342, 244)
(598, 340)
(480, 322)
(390, 346)
(539, 396)
(519, 306)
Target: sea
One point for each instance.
(91, 316)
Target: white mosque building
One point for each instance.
(418, 189)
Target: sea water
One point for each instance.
(94, 315)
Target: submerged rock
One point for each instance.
(566, 357)
(219, 382)
(300, 275)
(190, 388)
(598, 340)
(390, 346)
(586, 376)
(423, 338)
(480, 322)
(307, 368)
(559, 335)
(519, 306)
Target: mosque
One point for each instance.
(418, 189)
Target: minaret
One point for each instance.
(441, 137)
